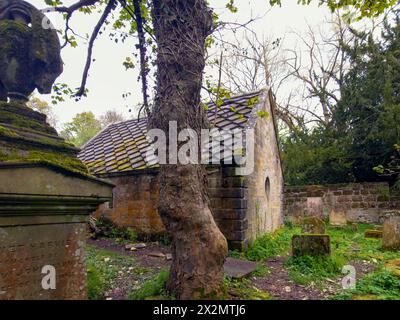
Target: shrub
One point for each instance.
(111, 230)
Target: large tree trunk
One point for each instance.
(199, 248)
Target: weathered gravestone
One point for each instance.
(312, 225)
(391, 233)
(337, 218)
(46, 193)
(311, 245)
(313, 241)
(374, 234)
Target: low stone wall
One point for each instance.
(135, 203)
(361, 202)
(136, 195)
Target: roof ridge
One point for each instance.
(225, 102)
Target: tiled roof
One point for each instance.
(122, 146)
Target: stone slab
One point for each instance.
(311, 244)
(237, 269)
(374, 234)
(337, 218)
(391, 234)
(315, 206)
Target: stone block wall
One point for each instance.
(227, 195)
(361, 202)
(264, 192)
(135, 203)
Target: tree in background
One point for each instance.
(317, 156)
(43, 107)
(81, 129)
(111, 117)
(368, 114)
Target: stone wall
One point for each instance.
(135, 203)
(138, 209)
(363, 202)
(227, 195)
(136, 195)
(264, 192)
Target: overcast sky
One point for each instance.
(108, 80)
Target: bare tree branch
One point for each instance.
(110, 6)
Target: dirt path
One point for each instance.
(130, 280)
(279, 285)
(277, 282)
(142, 256)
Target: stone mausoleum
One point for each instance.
(244, 206)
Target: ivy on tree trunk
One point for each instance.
(199, 249)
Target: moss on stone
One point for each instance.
(8, 133)
(375, 234)
(22, 140)
(312, 225)
(14, 119)
(66, 161)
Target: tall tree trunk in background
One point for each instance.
(199, 248)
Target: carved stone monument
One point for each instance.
(46, 193)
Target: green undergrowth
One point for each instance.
(307, 269)
(119, 234)
(153, 288)
(380, 285)
(104, 268)
(243, 289)
(348, 245)
(271, 245)
(261, 271)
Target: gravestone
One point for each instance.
(315, 206)
(311, 245)
(374, 234)
(337, 218)
(391, 233)
(46, 193)
(312, 225)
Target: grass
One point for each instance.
(261, 271)
(306, 269)
(348, 244)
(104, 268)
(380, 285)
(270, 245)
(155, 287)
